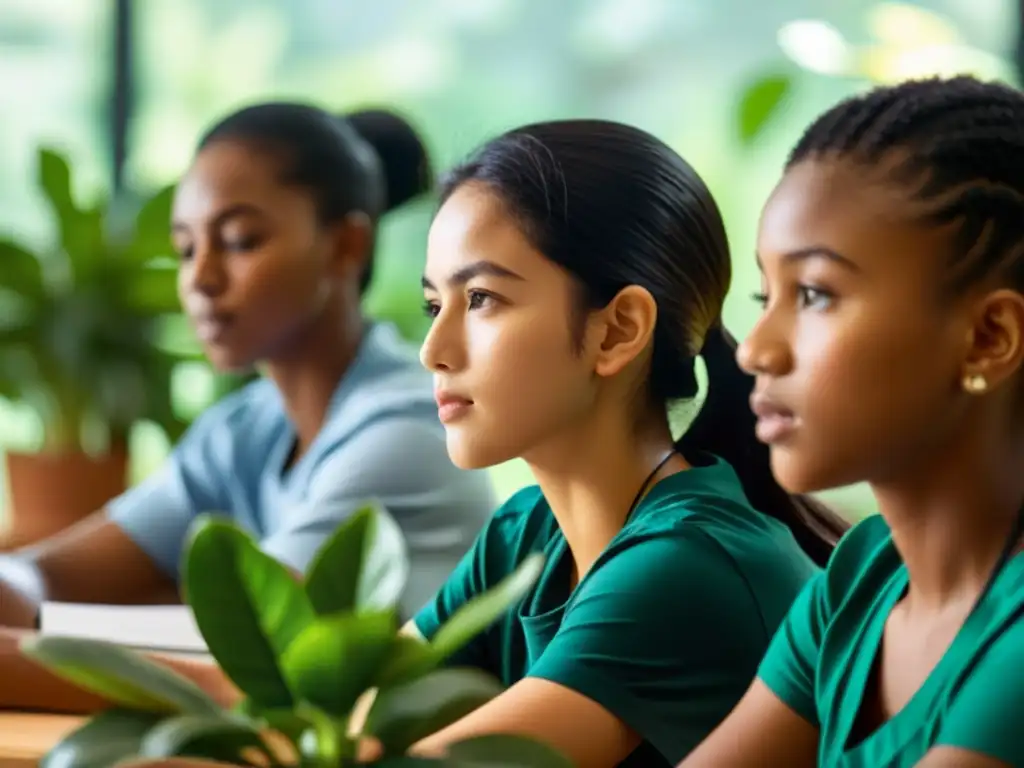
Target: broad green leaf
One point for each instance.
(152, 290)
(118, 674)
(402, 715)
(10, 388)
(333, 576)
(55, 181)
(335, 659)
(152, 236)
(759, 103)
(18, 373)
(409, 658)
(408, 761)
(248, 607)
(217, 738)
(81, 229)
(483, 610)
(363, 565)
(505, 750)
(104, 740)
(385, 565)
(84, 241)
(20, 271)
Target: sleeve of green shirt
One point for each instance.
(789, 665)
(986, 711)
(494, 554)
(665, 635)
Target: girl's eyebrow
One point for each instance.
(463, 275)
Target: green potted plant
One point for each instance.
(302, 653)
(80, 319)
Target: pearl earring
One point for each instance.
(975, 384)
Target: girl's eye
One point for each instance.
(479, 299)
(242, 244)
(815, 298)
(810, 298)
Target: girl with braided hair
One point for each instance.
(890, 351)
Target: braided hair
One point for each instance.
(958, 144)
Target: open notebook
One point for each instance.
(166, 629)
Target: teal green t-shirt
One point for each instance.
(821, 660)
(666, 629)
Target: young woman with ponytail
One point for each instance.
(575, 270)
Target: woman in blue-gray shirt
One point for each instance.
(275, 226)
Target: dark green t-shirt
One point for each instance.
(666, 629)
(821, 659)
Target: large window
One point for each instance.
(54, 71)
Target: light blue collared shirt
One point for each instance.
(382, 440)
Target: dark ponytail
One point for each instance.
(614, 207)
(370, 161)
(725, 427)
(404, 162)
(404, 159)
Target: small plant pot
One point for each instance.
(48, 492)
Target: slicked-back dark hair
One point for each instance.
(615, 207)
(371, 161)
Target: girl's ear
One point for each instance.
(625, 329)
(350, 241)
(995, 349)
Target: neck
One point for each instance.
(591, 476)
(308, 374)
(951, 519)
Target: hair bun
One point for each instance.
(404, 159)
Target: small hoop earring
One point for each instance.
(975, 384)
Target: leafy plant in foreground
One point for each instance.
(302, 653)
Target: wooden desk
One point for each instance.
(25, 738)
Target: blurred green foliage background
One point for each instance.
(730, 84)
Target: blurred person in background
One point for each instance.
(275, 224)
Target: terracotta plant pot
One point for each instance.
(50, 491)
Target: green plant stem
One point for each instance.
(64, 413)
(62, 428)
(331, 747)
